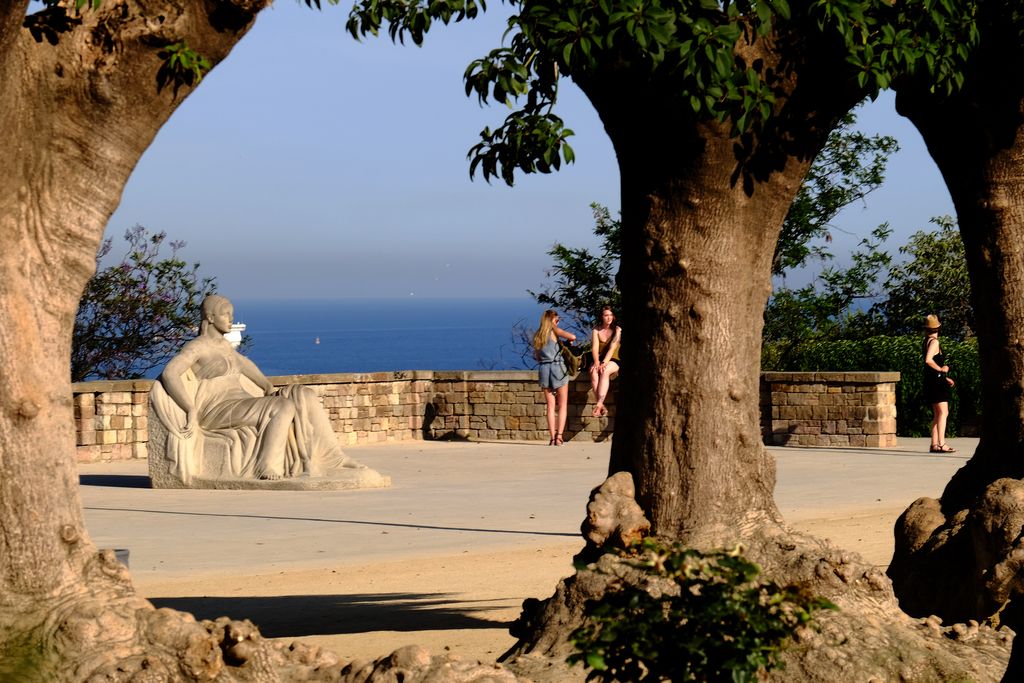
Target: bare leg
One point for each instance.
(940, 421)
(940, 413)
(549, 400)
(562, 394)
(595, 383)
(602, 389)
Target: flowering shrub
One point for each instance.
(136, 314)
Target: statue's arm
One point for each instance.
(250, 370)
(174, 385)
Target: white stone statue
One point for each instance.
(219, 421)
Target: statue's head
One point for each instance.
(214, 305)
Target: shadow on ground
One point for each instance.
(284, 616)
(126, 481)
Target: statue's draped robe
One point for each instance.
(232, 399)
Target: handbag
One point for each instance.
(573, 363)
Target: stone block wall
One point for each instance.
(797, 409)
(373, 406)
(111, 419)
(829, 408)
(508, 405)
(364, 408)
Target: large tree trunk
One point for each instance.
(695, 279)
(81, 103)
(701, 214)
(695, 276)
(76, 117)
(962, 557)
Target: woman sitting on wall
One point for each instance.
(605, 349)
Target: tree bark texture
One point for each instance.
(701, 213)
(961, 557)
(80, 105)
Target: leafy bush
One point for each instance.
(713, 622)
(899, 354)
(136, 314)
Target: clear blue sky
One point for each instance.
(308, 165)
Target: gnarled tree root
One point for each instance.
(868, 638)
(966, 565)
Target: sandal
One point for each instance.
(945, 448)
(557, 441)
(552, 442)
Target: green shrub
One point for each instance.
(903, 355)
(713, 622)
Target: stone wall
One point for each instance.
(111, 416)
(111, 419)
(829, 408)
(805, 409)
(508, 405)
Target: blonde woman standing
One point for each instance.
(605, 349)
(552, 373)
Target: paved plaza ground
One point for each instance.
(445, 557)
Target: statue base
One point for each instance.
(338, 480)
(211, 471)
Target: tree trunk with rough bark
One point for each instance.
(962, 556)
(701, 214)
(80, 105)
(82, 100)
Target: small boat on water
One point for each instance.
(317, 340)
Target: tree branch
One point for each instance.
(11, 15)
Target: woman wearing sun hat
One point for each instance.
(936, 384)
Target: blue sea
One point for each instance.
(369, 335)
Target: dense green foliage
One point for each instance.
(824, 309)
(136, 314)
(933, 279)
(904, 355)
(930, 278)
(825, 325)
(583, 281)
(849, 167)
(712, 620)
(685, 50)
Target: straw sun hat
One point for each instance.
(931, 322)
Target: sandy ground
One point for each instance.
(461, 602)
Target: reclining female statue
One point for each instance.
(210, 391)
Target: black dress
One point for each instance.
(935, 386)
